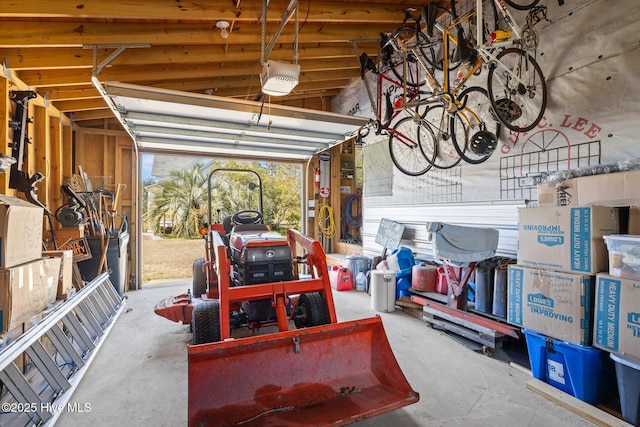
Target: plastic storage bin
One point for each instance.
(571, 368)
(117, 253)
(628, 375)
(356, 264)
(624, 255)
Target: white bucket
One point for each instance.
(383, 290)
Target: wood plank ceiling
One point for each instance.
(55, 46)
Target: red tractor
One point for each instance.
(251, 277)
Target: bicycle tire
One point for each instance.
(438, 119)
(413, 74)
(436, 57)
(479, 139)
(522, 4)
(406, 150)
(520, 105)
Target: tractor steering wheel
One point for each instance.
(247, 217)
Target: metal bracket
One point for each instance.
(5, 69)
(265, 51)
(119, 48)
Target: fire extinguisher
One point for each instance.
(324, 175)
(317, 177)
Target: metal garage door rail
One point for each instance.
(55, 354)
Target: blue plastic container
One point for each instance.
(405, 257)
(403, 277)
(571, 368)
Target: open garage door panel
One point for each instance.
(167, 121)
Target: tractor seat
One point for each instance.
(462, 244)
(249, 227)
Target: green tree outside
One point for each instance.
(182, 198)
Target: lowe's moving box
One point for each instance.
(20, 231)
(23, 293)
(616, 324)
(566, 238)
(611, 189)
(553, 303)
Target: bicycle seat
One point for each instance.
(462, 244)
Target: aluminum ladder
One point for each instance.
(54, 355)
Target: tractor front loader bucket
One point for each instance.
(330, 375)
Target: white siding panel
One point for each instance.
(501, 215)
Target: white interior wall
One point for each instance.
(589, 53)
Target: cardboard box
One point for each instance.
(554, 303)
(52, 277)
(616, 324)
(566, 238)
(65, 283)
(611, 189)
(23, 293)
(65, 234)
(20, 231)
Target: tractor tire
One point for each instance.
(311, 311)
(205, 323)
(199, 278)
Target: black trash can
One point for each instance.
(117, 254)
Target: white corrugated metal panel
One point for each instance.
(502, 215)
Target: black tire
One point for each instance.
(476, 129)
(434, 55)
(311, 311)
(205, 323)
(521, 4)
(411, 152)
(440, 123)
(520, 107)
(199, 278)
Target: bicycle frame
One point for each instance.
(408, 94)
(485, 50)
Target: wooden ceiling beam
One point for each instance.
(43, 78)
(104, 113)
(67, 93)
(248, 10)
(51, 58)
(302, 90)
(80, 104)
(75, 34)
(241, 87)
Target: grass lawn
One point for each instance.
(169, 258)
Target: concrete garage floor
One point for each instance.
(139, 376)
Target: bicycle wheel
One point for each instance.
(517, 90)
(521, 4)
(440, 121)
(407, 67)
(407, 143)
(480, 128)
(435, 55)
